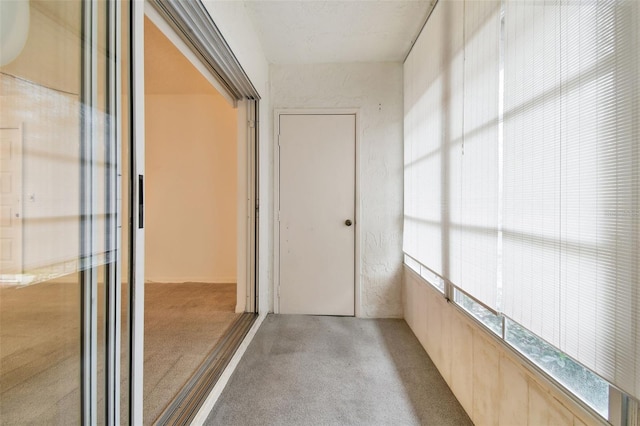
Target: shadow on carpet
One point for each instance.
(313, 370)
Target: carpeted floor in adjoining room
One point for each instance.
(310, 370)
(183, 323)
(40, 364)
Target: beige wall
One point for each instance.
(51, 56)
(494, 386)
(191, 181)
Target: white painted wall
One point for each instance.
(234, 23)
(493, 384)
(376, 89)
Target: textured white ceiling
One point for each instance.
(311, 31)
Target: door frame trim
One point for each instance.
(18, 277)
(357, 279)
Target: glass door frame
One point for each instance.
(101, 117)
(244, 90)
(88, 272)
(136, 211)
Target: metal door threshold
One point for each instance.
(186, 404)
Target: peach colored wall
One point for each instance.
(494, 386)
(191, 187)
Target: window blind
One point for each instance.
(451, 146)
(531, 234)
(571, 179)
(538, 218)
(475, 267)
(433, 127)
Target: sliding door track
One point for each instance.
(186, 404)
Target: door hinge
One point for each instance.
(252, 124)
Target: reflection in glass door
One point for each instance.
(60, 157)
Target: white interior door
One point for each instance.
(317, 214)
(10, 204)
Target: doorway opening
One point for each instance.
(193, 244)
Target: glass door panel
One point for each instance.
(59, 254)
(40, 308)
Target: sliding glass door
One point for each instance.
(61, 164)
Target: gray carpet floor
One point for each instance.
(310, 370)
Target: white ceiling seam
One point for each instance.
(413, 42)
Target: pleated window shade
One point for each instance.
(475, 269)
(451, 146)
(571, 179)
(539, 218)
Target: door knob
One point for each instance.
(348, 222)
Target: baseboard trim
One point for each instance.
(180, 280)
